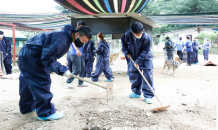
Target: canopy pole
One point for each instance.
(14, 52)
(217, 43)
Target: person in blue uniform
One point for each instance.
(189, 50)
(194, 56)
(102, 64)
(5, 47)
(69, 62)
(206, 46)
(39, 56)
(136, 44)
(78, 62)
(88, 54)
(180, 45)
(169, 45)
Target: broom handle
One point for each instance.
(146, 82)
(101, 86)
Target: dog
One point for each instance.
(172, 64)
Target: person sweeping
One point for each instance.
(136, 44)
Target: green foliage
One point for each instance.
(211, 36)
(180, 6)
(155, 7)
(169, 27)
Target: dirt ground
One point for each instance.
(192, 97)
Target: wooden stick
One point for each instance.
(101, 86)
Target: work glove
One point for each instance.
(67, 74)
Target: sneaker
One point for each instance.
(148, 100)
(134, 95)
(55, 116)
(83, 85)
(69, 85)
(109, 80)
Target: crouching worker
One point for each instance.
(136, 44)
(39, 56)
(102, 64)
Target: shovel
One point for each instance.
(108, 87)
(157, 109)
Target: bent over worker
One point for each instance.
(39, 56)
(136, 44)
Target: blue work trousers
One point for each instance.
(89, 66)
(34, 87)
(102, 65)
(194, 56)
(138, 83)
(205, 53)
(7, 64)
(78, 68)
(189, 57)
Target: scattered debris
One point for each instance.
(184, 104)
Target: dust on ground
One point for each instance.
(192, 97)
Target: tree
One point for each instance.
(211, 36)
(155, 7)
(180, 6)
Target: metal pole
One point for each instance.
(14, 52)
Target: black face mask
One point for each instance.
(78, 43)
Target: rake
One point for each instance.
(157, 109)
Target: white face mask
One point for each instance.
(1, 36)
(138, 37)
(98, 39)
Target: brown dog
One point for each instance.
(172, 64)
